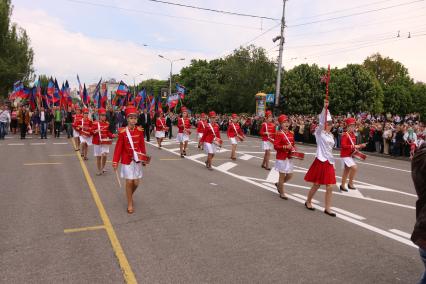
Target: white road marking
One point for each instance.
(41, 143)
(60, 143)
(214, 184)
(347, 213)
(385, 167)
(245, 157)
(340, 216)
(401, 233)
(273, 176)
(197, 156)
(226, 166)
(16, 144)
(304, 197)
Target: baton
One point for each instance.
(118, 178)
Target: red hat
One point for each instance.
(203, 115)
(130, 110)
(234, 115)
(350, 121)
(85, 110)
(268, 113)
(183, 109)
(101, 111)
(282, 118)
(212, 113)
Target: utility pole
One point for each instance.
(280, 59)
(171, 70)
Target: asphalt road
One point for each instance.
(192, 225)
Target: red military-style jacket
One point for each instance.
(76, 120)
(231, 130)
(123, 150)
(209, 135)
(267, 128)
(83, 126)
(160, 124)
(201, 126)
(347, 148)
(279, 143)
(105, 134)
(186, 123)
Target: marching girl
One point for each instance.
(130, 151)
(85, 128)
(184, 126)
(201, 126)
(322, 170)
(102, 138)
(76, 121)
(284, 145)
(235, 133)
(348, 146)
(160, 128)
(211, 139)
(267, 131)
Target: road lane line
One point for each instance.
(401, 233)
(226, 166)
(84, 229)
(60, 143)
(41, 164)
(273, 189)
(115, 243)
(171, 159)
(347, 213)
(40, 143)
(385, 167)
(245, 157)
(62, 155)
(15, 144)
(304, 197)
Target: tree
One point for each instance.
(418, 92)
(16, 55)
(386, 70)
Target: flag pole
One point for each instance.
(326, 94)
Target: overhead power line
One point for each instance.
(214, 10)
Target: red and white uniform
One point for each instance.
(201, 126)
(160, 127)
(284, 163)
(184, 126)
(267, 131)
(211, 133)
(76, 120)
(126, 154)
(322, 169)
(234, 130)
(347, 143)
(84, 126)
(102, 137)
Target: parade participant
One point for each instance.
(322, 170)
(77, 117)
(84, 127)
(4, 120)
(130, 151)
(284, 145)
(43, 123)
(348, 146)
(160, 128)
(211, 139)
(24, 117)
(235, 134)
(184, 126)
(102, 138)
(267, 132)
(201, 126)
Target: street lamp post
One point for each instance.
(134, 82)
(171, 69)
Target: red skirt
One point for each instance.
(321, 173)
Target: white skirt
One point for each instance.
(210, 148)
(98, 150)
(160, 134)
(233, 140)
(132, 171)
(284, 166)
(348, 161)
(85, 139)
(75, 133)
(200, 135)
(182, 138)
(266, 145)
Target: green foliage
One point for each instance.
(16, 55)
(152, 86)
(418, 92)
(386, 70)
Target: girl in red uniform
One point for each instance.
(267, 131)
(348, 146)
(184, 126)
(160, 128)
(101, 140)
(130, 150)
(211, 139)
(76, 120)
(322, 170)
(84, 127)
(284, 145)
(235, 133)
(201, 126)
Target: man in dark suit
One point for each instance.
(169, 124)
(144, 120)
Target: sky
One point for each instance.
(110, 38)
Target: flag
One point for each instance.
(97, 93)
(122, 89)
(86, 99)
(159, 105)
(180, 90)
(56, 96)
(32, 100)
(140, 99)
(152, 105)
(18, 89)
(104, 98)
(80, 88)
(172, 100)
